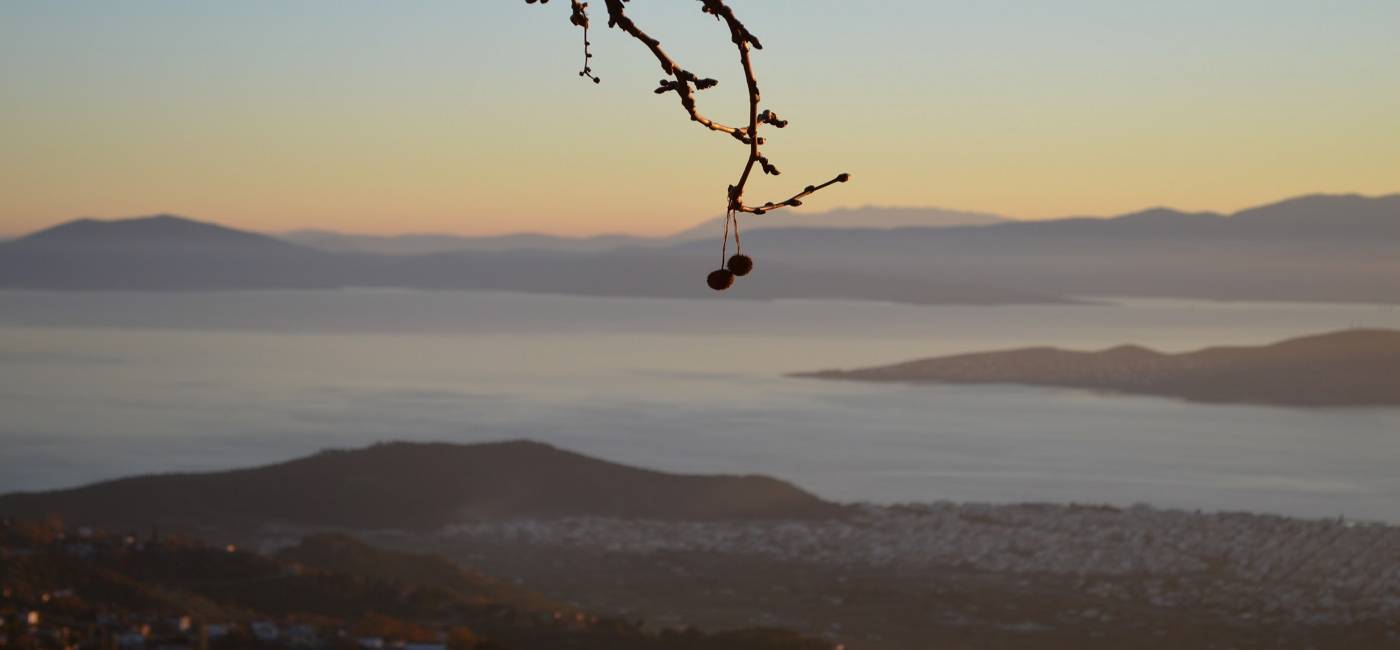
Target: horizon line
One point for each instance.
(10, 236)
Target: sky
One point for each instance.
(467, 116)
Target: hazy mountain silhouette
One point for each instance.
(404, 485)
(869, 216)
(1348, 368)
(1314, 248)
(171, 253)
(152, 231)
(162, 252)
(427, 243)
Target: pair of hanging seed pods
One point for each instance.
(737, 266)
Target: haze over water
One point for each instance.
(97, 386)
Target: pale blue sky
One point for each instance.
(467, 115)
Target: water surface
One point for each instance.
(99, 385)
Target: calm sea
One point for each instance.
(100, 385)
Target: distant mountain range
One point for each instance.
(1312, 248)
(430, 243)
(169, 253)
(421, 486)
(1348, 368)
(870, 216)
(427, 243)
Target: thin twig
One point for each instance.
(796, 200)
(579, 17)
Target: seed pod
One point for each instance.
(740, 265)
(720, 279)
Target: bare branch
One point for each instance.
(686, 84)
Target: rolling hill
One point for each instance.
(420, 486)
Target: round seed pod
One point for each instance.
(720, 280)
(740, 265)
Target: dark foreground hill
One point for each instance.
(89, 589)
(420, 486)
(1348, 368)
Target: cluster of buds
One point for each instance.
(686, 84)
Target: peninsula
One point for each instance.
(1358, 367)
